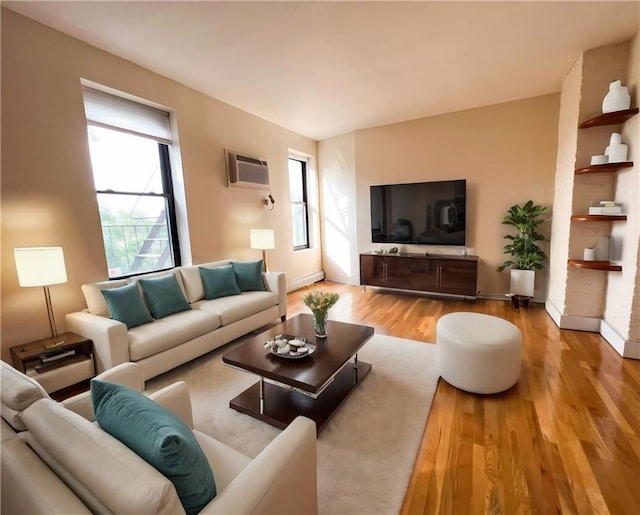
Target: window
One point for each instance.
(128, 143)
(299, 207)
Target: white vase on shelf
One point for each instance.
(618, 98)
(616, 151)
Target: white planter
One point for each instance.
(523, 282)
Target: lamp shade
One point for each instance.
(40, 266)
(262, 239)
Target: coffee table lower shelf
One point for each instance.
(282, 405)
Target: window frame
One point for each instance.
(164, 162)
(304, 202)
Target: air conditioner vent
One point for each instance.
(246, 172)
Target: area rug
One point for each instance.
(366, 452)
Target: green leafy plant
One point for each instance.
(523, 247)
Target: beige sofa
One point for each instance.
(64, 463)
(173, 340)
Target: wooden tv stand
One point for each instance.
(428, 273)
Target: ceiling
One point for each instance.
(327, 68)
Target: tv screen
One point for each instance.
(422, 213)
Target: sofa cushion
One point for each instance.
(18, 392)
(193, 287)
(94, 298)
(237, 307)
(168, 332)
(249, 275)
(126, 305)
(102, 471)
(159, 437)
(219, 282)
(163, 295)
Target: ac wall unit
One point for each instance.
(246, 172)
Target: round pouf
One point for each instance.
(478, 353)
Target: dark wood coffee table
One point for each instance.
(314, 386)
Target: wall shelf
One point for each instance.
(607, 167)
(598, 218)
(614, 118)
(605, 266)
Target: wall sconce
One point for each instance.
(269, 201)
(42, 266)
(263, 239)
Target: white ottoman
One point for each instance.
(478, 353)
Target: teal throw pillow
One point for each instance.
(163, 295)
(248, 275)
(219, 282)
(159, 437)
(126, 305)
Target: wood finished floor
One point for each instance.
(565, 439)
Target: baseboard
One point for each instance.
(576, 323)
(553, 311)
(306, 280)
(626, 348)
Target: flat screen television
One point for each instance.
(421, 213)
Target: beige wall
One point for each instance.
(47, 188)
(563, 193)
(339, 206)
(506, 153)
(622, 304)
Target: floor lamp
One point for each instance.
(42, 266)
(263, 239)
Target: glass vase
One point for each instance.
(320, 324)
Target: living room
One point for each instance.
(513, 144)
(507, 152)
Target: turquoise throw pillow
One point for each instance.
(249, 275)
(164, 296)
(159, 437)
(219, 282)
(126, 305)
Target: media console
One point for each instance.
(428, 273)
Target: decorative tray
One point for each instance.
(290, 347)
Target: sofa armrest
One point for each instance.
(281, 479)
(175, 398)
(29, 486)
(277, 282)
(110, 338)
(126, 374)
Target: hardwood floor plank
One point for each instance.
(564, 439)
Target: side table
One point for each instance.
(58, 368)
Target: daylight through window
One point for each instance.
(128, 143)
(299, 207)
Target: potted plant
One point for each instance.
(320, 302)
(525, 256)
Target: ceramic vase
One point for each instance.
(589, 254)
(602, 249)
(618, 98)
(616, 151)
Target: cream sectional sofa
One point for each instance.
(165, 343)
(65, 463)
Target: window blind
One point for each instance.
(125, 115)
